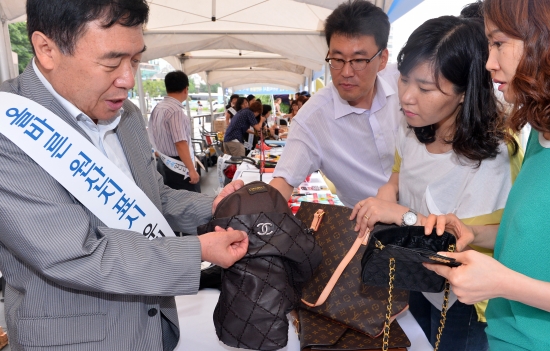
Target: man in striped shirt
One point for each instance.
(170, 131)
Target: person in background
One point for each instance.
(250, 98)
(347, 129)
(73, 283)
(199, 107)
(241, 103)
(233, 141)
(454, 154)
(473, 10)
(517, 279)
(230, 108)
(294, 107)
(277, 104)
(270, 132)
(301, 100)
(170, 131)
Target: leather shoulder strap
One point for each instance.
(339, 270)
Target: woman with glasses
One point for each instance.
(453, 154)
(517, 279)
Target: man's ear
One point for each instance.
(46, 50)
(384, 56)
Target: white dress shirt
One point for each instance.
(353, 147)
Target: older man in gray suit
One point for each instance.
(72, 282)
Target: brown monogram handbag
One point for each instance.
(352, 312)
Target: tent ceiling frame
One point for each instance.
(231, 32)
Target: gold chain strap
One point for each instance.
(444, 307)
(385, 340)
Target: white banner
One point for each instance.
(79, 167)
(173, 164)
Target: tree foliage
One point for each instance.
(20, 44)
(154, 87)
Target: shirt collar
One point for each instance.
(72, 109)
(343, 108)
(174, 100)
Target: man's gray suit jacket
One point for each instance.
(73, 283)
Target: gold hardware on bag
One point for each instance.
(444, 307)
(388, 312)
(439, 259)
(317, 217)
(385, 340)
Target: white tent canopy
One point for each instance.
(254, 85)
(12, 9)
(289, 29)
(200, 61)
(260, 74)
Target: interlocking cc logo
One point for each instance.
(264, 228)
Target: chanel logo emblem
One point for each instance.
(264, 228)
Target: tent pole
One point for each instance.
(6, 60)
(209, 97)
(187, 102)
(142, 105)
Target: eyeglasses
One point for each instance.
(356, 64)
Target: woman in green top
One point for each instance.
(517, 279)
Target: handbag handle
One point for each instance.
(339, 270)
(386, 338)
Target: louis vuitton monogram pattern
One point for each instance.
(352, 303)
(320, 333)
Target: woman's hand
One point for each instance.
(373, 210)
(479, 278)
(450, 223)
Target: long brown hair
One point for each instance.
(527, 20)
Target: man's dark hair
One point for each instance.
(65, 21)
(176, 82)
(358, 17)
(239, 103)
(473, 10)
(250, 97)
(233, 96)
(265, 109)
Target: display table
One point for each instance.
(198, 333)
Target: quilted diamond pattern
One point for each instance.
(260, 289)
(409, 246)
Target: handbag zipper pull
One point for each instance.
(379, 245)
(317, 217)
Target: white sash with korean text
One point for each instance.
(79, 167)
(173, 164)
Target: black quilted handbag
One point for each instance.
(259, 290)
(394, 258)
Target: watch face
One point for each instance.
(409, 218)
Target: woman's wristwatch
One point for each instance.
(409, 218)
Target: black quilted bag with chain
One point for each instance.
(259, 290)
(409, 246)
(394, 258)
